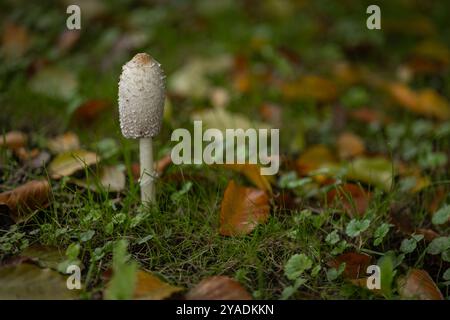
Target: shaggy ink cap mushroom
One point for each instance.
(141, 97)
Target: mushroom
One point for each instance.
(141, 104)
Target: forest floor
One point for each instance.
(364, 119)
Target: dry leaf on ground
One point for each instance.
(218, 288)
(13, 140)
(418, 285)
(242, 209)
(29, 282)
(26, 198)
(64, 143)
(68, 163)
(350, 145)
(150, 287)
(352, 197)
(355, 264)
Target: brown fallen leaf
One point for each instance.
(90, 110)
(417, 284)
(253, 173)
(25, 155)
(160, 166)
(350, 145)
(355, 264)
(428, 234)
(25, 199)
(242, 209)
(218, 288)
(13, 140)
(150, 287)
(67, 142)
(271, 113)
(352, 197)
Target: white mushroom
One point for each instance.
(141, 103)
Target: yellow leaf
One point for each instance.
(150, 287)
(68, 163)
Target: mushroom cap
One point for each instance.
(141, 97)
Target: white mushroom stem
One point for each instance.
(147, 172)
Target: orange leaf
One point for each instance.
(418, 285)
(350, 145)
(355, 264)
(26, 198)
(425, 102)
(242, 209)
(218, 288)
(314, 158)
(353, 198)
(253, 173)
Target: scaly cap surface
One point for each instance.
(141, 97)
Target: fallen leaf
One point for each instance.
(15, 41)
(39, 161)
(90, 110)
(218, 288)
(160, 166)
(25, 154)
(29, 282)
(425, 102)
(310, 87)
(355, 264)
(253, 173)
(352, 197)
(191, 80)
(150, 287)
(44, 256)
(222, 119)
(367, 115)
(65, 164)
(242, 209)
(418, 285)
(219, 97)
(271, 113)
(111, 178)
(67, 142)
(375, 171)
(55, 82)
(163, 163)
(13, 140)
(350, 145)
(428, 234)
(26, 198)
(315, 157)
